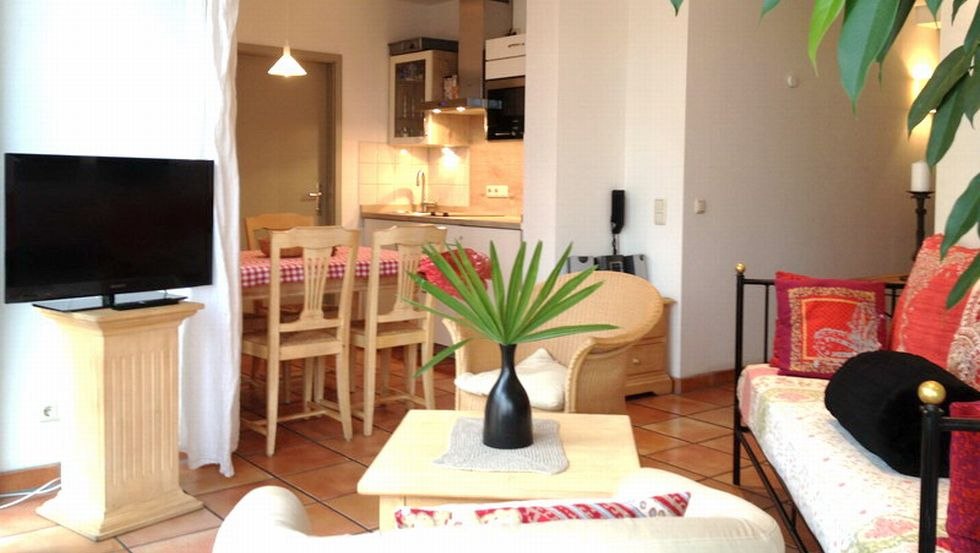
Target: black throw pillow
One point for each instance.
(874, 397)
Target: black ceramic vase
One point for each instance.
(507, 418)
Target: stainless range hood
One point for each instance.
(478, 20)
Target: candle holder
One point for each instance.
(920, 218)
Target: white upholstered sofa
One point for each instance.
(272, 519)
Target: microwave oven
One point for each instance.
(506, 123)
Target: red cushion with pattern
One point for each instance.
(964, 351)
(668, 505)
(963, 514)
(820, 323)
(922, 325)
(777, 337)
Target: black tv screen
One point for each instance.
(99, 226)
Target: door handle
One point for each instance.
(315, 196)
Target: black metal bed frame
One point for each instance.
(933, 423)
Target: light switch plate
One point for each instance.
(660, 211)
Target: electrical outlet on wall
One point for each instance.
(497, 191)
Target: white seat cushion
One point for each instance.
(543, 379)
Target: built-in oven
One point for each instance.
(507, 122)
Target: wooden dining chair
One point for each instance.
(273, 221)
(311, 334)
(256, 228)
(403, 325)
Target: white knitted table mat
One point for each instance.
(466, 450)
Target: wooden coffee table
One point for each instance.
(600, 451)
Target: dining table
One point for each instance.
(256, 272)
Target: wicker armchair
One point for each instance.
(596, 361)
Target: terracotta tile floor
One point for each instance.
(689, 434)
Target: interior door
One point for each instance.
(285, 139)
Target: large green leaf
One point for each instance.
(949, 72)
(964, 216)
(440, 355)
(964, 283)
(971, 94)
(825, 12)
(904, 9)
(957, 4)
(768, 5)
(973, 34)
(945, 124)
(677, 5)
(867, 24)
(934, 7)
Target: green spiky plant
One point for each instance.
(868, 31)
(515, 312)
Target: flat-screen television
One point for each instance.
(84, 226)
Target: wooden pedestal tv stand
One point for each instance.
(120, 468)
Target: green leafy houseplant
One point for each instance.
(868, 31)
(514, 314)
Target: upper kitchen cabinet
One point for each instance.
(505, 57)
(415, 78)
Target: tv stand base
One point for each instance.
(120, 468)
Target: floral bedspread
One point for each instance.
(852, 501)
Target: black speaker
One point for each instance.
(618, 218)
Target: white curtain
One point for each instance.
(211, 348)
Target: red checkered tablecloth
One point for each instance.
(256, 267)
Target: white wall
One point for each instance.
(360, 32)
(961, 163)
(98, 78)
(574, 141)
(793, 180)
(656, 90)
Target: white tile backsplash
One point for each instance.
(386, 174)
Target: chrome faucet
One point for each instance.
(424, 204)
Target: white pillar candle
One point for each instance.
(921, 177)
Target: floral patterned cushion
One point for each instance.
(820, 323)
(922, 325)
(964, 351)
(668, 505)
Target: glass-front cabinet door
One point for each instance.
(415, 78)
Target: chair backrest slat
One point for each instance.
(408, 242)
(320, 246)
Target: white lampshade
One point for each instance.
(287, 66)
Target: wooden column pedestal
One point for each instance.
(120, 467)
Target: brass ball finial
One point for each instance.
(740, 268)
(931, 392)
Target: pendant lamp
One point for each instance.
(287, 66)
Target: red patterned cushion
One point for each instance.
(669, 505)
(963, 514)
(820, 323)
(922, 325)
(777, 334)
(964, 351)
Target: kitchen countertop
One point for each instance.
(454, 218)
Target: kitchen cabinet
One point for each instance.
(647, 368)
(415, 78)
(504, 57)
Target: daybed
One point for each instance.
(271, 519)
(849, 497)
